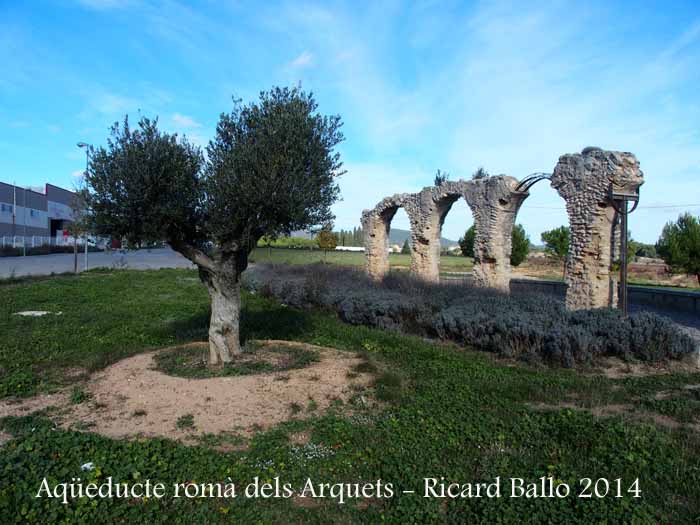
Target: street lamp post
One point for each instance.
(87, 147)
(24, 222)
(620, 199)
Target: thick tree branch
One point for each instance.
(198, 257)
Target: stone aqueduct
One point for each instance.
(584, 181)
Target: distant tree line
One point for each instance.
(354, 237)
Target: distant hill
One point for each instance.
(398, 236)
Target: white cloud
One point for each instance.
(303, 60)
(112, 104)
(78, 174)
(185, 122)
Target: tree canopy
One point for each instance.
(270, 169)
(520, 245)
(145, 186)
(326, 239)
(466, 243)
(556, 242)
(679, 245)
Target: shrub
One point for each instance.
(527, 327)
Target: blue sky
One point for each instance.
(509, 86)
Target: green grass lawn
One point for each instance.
(447, 412)
(451, 263)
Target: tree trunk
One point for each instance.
(224, 332)
(221, 275)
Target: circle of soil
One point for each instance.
(258, 357)
(133, 398)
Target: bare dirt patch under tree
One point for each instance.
(133, 398)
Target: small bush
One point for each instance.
(527, 327)
(78, 395)
(388, 387)
(18, 383)
(185, 422)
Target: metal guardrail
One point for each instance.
(36, 241)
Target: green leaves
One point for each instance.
(556, 242)
(520, 245)
(679, 245)
(145, 186)
(272, 168)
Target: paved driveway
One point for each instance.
(63, 262)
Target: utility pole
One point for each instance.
(619, 199)
(87, 164)
(24, 223)
(14, 212)
(623, 258)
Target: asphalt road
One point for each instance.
(63, 262)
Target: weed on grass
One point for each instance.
(185, 422)
(365, 367)
(83, 426)
(388, 386)
(78, 395)
(221, 440)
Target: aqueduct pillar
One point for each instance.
(585, 180)
(376, 224)
(494, 202)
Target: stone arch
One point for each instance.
(583, 179)
(376, 224)
(494, 203)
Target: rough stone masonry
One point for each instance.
(583, 180)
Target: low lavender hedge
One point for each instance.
(530, 327)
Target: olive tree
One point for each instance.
(270, 169)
